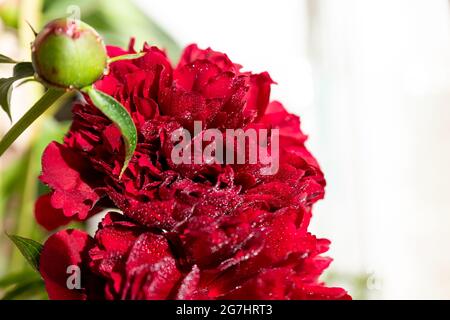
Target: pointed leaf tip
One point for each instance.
(117, 113)
(30, 249)
(5, 59)
(22, 70)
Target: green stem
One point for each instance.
(28, 118)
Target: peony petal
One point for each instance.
(189, 285)
(47, 216)
(61, 170)
(62, 250)
(188, 231)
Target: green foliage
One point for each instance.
(19, 188)
(120, 117)
(21, 70)
(30, 249)
(17, 277)
(22, 285)
(46, 101)
(26, 288)
(5, 59)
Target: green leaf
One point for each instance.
(21, 70)
(120, 117)
(26, 290)
(17, 277)
(28, 118)
(24, 81)
(130, 56)
(5, 59)
(5, 94)
(30, 249)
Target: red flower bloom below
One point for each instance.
(127, 261)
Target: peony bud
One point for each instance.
(68, 53)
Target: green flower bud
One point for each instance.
(69, 54)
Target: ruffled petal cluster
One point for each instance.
(186, 231)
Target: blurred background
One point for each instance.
(371, 82)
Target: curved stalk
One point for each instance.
(28, 118)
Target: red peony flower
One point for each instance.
(188, 231)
